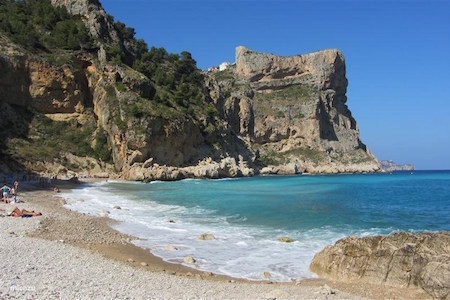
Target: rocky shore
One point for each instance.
(401, 259)
(65, 254)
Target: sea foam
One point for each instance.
(237, 251)
(248, 215)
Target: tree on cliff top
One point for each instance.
(38, 25)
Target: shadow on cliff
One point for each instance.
(326, 127)
(14, 124)
(15, 118)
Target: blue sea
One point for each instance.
(247, 215)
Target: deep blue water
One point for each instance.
(248, 214)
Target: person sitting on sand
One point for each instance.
(24, 213)
(5, 191)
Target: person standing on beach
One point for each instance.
(16, 189)
(5, 191)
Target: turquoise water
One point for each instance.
(247, 215)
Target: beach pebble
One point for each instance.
(171, 248)
(206, 237)
(144, 264)
(130, 260)
(285, 239)
(189, 260)
(326, 290)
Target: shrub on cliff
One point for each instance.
(37, 24)
(101, 148)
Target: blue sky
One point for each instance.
(397, 55)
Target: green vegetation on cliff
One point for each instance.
(174, 89)
(38, 25)
(48, 139)
(177, 82)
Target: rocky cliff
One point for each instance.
(116, 106)
(390, 166)
(401, 259)
(292, 111)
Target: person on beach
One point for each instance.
(15, 189)
(24, 213)
(5, 191)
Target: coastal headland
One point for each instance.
(80, 96)
(103, 103)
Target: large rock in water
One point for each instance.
(402, 259)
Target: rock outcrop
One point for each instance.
(400, 259)
(29, 81)
(292, 111)
(390, 166)
(95, 17)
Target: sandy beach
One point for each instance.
(64, 254)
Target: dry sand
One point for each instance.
(68, 255)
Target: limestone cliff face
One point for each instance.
(293, 111)
(101, 27)
(31, 85)
(275, 114)
(27, 80)
(401, 259)
(154, 146)
(95, 17)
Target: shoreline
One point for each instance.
(106, 240)
(95, 234)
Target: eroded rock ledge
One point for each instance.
(400, 259)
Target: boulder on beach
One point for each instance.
(189, 260)
(401, 259)
(101, 175)
(171, 248)
(104, 213)
(74, 180)
(285, 239)
(206, 237)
